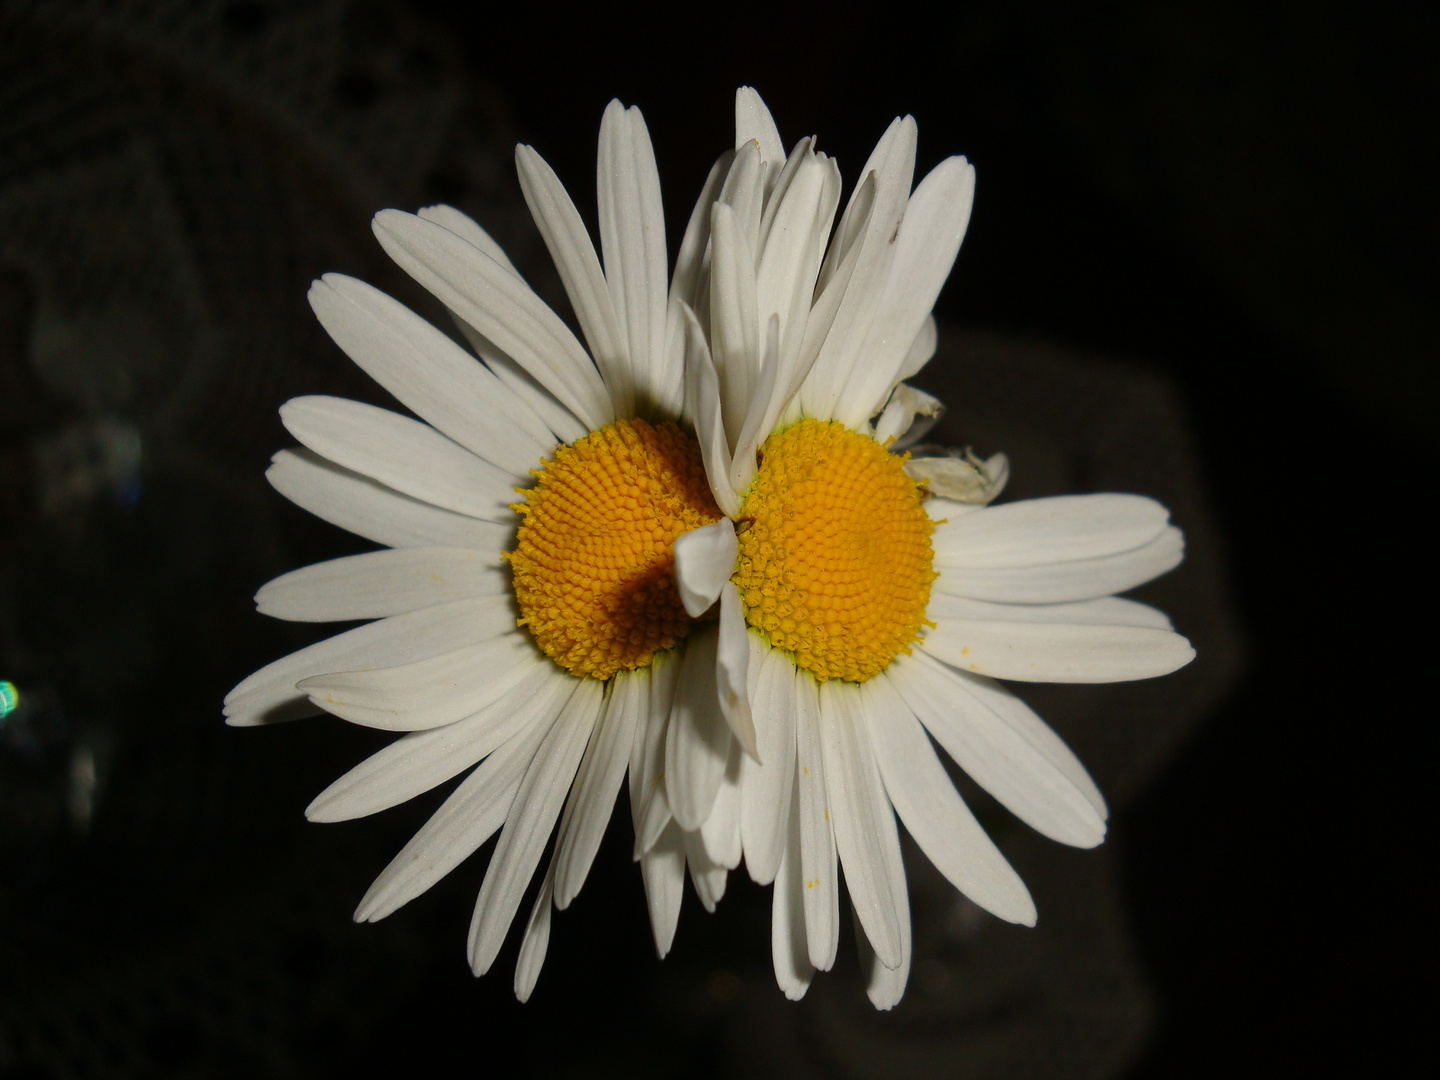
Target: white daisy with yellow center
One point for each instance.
(528, 622)
(858, 609)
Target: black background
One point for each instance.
(1238, 196)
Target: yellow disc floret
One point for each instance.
(593, 565)
(835, 556)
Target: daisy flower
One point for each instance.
(868, 601)
(537, 639)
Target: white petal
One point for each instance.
(381, 583)
(411, 457)
(965, 479)
(721, 832)
(707, 876)
(898, 418)
(704, 561)
(463, 822)
(941, 509)
(579, 268)
(689, 261)
(649, 807)
(697, 744)
(702, 395)
(632, 237)
(1005, 748)
(1105, 611)
(732, 667)
(428, 373)
(765, 789)
(1037, 532)
(497, 304)
(753, 121)
(527, 830)
(1056, 652)
(536, 940)
(873, 253)
(427, 693)
(744, 192)
(921, 349)
(596, 785)
(858, 809)
(469, 230)
(553, 421)
(734, 323)
(1059, 582)
(397, 640)
(935, 219)
(417, 762)
(366, 508)
(933, 811)
(744, 464)
(817, 836)
(788, 949)
(662, 869)
(883, 985)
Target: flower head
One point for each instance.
(528, 623)
(859, 606)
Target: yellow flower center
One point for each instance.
(594, 565)
(835, 556)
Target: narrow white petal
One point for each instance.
(579, 268)
(941, 509)
(400, 639)
(367, 508)
(744, 192)
(732, 669)
(649, 807)
(426, 693)
(1005, 748)
(704, 561)
(598, 782)
(537, 804)
(817, 837)
(463, 822)
(469, 230)
(411, 457)
(885, 986)
(1060, 582)
(632, 237)
(788, 949)
(935, 219)
(734, 322)
(754, 122)
(662, 869)
(745, 461)
(427, 372)
(702, 395)
(858, 816)
(697, 744)
(417, 762)
(381, 583)
(1105, 611)
(689, 261)
(497, 304)
(873, 253)
(707, 876)
(933, 811)
(765, 790)
(555, 421)
(536, 940)
(1056, 652)
(1037, 532)
(721, 832)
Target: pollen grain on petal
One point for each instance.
(593, 565)
(835, 556)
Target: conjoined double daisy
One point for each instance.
(690, 553)
(859, 609)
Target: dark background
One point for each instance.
(1223, 198)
